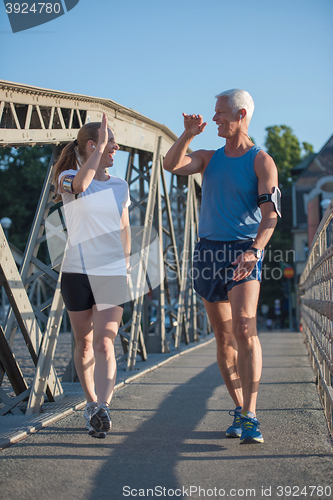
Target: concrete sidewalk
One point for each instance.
(168, 438)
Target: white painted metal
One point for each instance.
(316, 295)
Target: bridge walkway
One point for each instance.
(168, 432)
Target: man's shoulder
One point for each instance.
(261, 154)
(263, 162)
(205, 152)
(205, 155)
(262, 158)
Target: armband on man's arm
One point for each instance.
(275, 198)
(67, 183)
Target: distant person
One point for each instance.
(96, 262)
(269, 324)
(233, 232)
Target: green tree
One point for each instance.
(284, 147)
(22, 174)
(308, 148)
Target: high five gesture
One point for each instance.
(194, 124)
(176, 160)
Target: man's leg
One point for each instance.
(244, 301)
(219, 314)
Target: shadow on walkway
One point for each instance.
(148, 457)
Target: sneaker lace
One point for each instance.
(237, 416)
(250, 423)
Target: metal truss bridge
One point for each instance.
(31, 116)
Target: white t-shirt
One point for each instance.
(93, 223)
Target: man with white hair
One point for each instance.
(240, 203)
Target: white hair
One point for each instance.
(239, 99)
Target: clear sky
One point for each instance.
(163, 57)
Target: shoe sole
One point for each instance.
(100, 424)
(97, 434)
(252, 441)
(233, 435)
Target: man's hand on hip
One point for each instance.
(245, 264)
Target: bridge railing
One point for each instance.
(316, 295)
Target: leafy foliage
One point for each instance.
(284, 147)
(22, 175)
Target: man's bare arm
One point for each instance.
(176, 159)
(266, 172)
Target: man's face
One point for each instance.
(225, 119)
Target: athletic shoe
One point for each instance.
(88, 411)
(100, 419)
(96, 434)
(250, 429)
(235, 430)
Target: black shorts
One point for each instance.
(80, 291)
(213, 271)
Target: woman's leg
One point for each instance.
(84, 359)
(106, 324)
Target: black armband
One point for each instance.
(67, 183)
(275, 198)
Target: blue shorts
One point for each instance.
(213, 272)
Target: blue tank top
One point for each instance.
(229, 208)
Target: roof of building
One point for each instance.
(304, 164)
(321, 165)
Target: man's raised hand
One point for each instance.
(194, 124)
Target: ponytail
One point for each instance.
(66, 161)
(74, 152)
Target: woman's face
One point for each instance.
(109, 151)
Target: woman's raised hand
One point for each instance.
(194, 124)
(103, 135)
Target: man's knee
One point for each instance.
(244, 328)
(224, 336)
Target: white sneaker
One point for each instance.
(100, 419)
(88, 411)
(96, 434)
